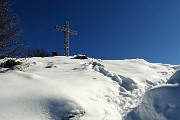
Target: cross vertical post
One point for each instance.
(67, 33)
(66, 39)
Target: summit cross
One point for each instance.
(67, 33)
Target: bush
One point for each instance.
(37, 53)
(54, 53)
(10, 63)
(2, 56)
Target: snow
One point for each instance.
(175, 78)
(160, 103)
(61, 88)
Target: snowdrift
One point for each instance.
(160, 103)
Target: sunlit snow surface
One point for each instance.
(61, 88)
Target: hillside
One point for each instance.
(61, 88)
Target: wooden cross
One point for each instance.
(67, 33)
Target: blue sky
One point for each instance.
(107, 29)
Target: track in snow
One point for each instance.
(129, 94)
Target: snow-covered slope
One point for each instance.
(60, 88)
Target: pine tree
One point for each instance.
(10, 45)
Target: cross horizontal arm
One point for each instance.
(62, 29)
(59, 28)
(73, 32)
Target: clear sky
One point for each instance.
(107, 29)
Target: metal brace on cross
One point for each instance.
(67, 33)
